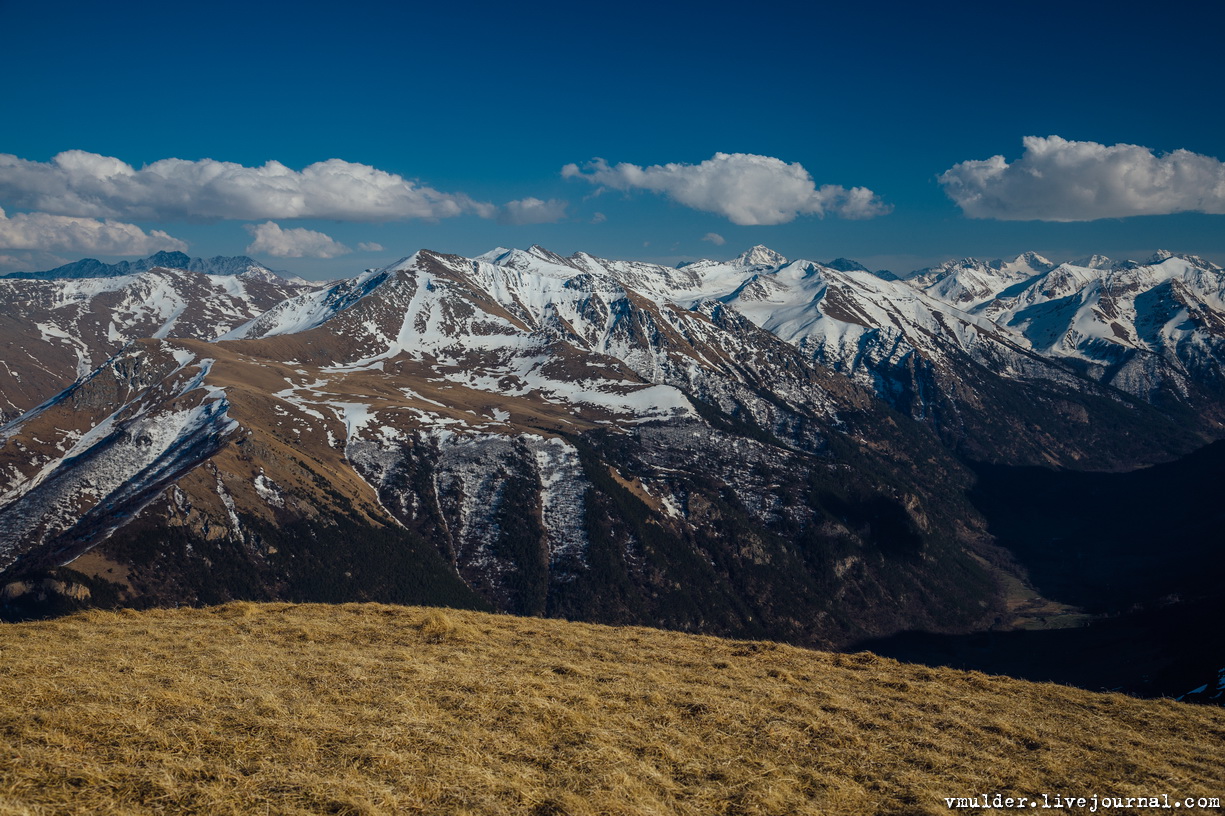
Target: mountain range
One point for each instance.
(93, 268)
(60, 325)
(756, 447)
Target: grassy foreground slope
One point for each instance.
(369, 709)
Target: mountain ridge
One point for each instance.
(732, 447)
(447, 393)
(93, 268)
(58, 330)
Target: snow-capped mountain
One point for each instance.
(969, 282)
(529, 435)
(975, 381)
(754, 446)
(57, 330)
(1154, 329)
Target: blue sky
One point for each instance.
(859, 130)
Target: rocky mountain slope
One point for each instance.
(754, 447)
(485, 435)
(983, 385)
(58, 329)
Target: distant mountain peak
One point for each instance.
(93, 268)
(494, 255)
(1163, 255)
(1034, 260)
(759, 256)
(1094, 262)
(846, 265)
(172, 260)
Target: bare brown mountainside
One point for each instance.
(54, 331)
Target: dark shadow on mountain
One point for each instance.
(1018, 288)
(1165, 652)
(1143, 550)
(1110, 542)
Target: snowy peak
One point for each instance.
(429, 259)
(312, 309)
(263, 275)
(1032, 261)
(494, 255)
(535, 260)
(1027, 264)
(548, 256)
(970, 282)
(1155, 330)
(407, 262)
(1162, 256)
(1094, 262)
(759, 256)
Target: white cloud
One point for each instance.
(715, 238)
(41, 231)
(270, 239)
(599, 218)
(86, 184)
(370, 246)
(745, 188)
(1060, 180)
(533, 211)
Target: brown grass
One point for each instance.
(368, 709)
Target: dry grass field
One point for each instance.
(368, 709)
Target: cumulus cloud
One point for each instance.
(84, 184)
(715, 238)
(746, 189)
(370, 246)
(533, 211)
(599, 218)
(270, 239)
(1060, 180)
(42, 231)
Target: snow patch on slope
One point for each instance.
(309, 310)
(117, 464)
(563, 490)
